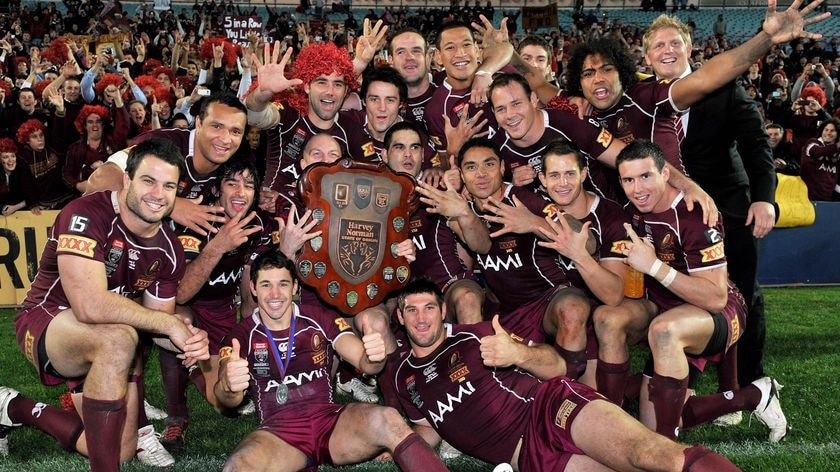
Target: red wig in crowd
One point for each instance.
(27, 128)
(88, 110)
(163, 70)
(8, 145)
(814, 92)
(39, 88)
(7, 90)
(230, 50)
(106, 80)
(150, 65)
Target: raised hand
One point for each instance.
(271, 70)
(564, 239)
(640, 253)
(373, 341)
(790, 24)
(294, 234)
(514, 219)
(448, 203)
(235, 232)
(489, 34)
(197, 217)
(467, 129)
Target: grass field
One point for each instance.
(803, 353)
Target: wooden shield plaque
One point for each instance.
(363, 211)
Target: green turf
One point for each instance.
(802, 353)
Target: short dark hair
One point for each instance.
(611, 52)
(478, 143)
(776, 126)
(506, 78)
(163, 149)
(532, 40)
(385, 74)
(452, 25)
(272, 259)
(561, 147)
(400, 126)
(237, 165)
(223, 97)
(641, 149)
(418, 286)
(407, 29)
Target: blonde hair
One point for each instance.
(662, 22)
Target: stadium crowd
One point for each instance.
(582, 192)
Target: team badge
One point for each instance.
(352, 299)
(388, 274)
(320, 269)
(305, 268)
(402, 274)
(333, 288)
(399, 223)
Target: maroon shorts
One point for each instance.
(307, 430)
(527, 320)
(735, 314)
(547, 444)
(30, 328)
(217, 321)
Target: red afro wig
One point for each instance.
(20, 59)
(816, 93)
(164, 95)
(7, 89)
(8, 145)
(27, 128)
(39, 88)
(149, 65)
(146, 82)
(324, 59)
(163, 70)
(229, 49)
(106, 80)
(88, 110)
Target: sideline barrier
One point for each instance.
(22, 240)
(809, 255)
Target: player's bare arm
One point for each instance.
(462, 220)
(706, 289)
(234, 376)
(501, 350)
(272, 80)
(366, 354)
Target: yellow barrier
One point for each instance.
(22, 240)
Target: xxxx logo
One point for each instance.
(76, 244)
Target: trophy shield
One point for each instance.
(361, 210)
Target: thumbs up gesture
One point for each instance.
(500, 349)
(235, 371)
(373, 341)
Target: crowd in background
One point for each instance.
(80, 85)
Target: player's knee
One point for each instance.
(608, 322)
(388, 422)
(662, 334)
(117, 344)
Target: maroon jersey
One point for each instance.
(437, 249)
(516, 268)
(364, 147)
(607, 220)
(481, 411)
(588, 135)
(455, 104)
(682, 241)
(220, 289)
(308, 375)
(192, 184)
(819, 169)
(91, 227)
(287, 140)
(416, 107)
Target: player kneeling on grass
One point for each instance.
(283, 352)
(502, 400)
(696, 313)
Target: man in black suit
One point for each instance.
(726, 150)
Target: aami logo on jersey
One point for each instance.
(299, 379)
(497, 263)
(227, 278)
(464, 390)
(419, 241)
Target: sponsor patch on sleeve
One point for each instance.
(70, 243)
(712, 253)
(225, 352)
(190, 243)
(618, 247)
(605, 138)
(342, 324)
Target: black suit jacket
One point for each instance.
(726, 150)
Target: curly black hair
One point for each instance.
(612, 52)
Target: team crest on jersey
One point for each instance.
(149, 277)
(190, 243)
(713, 252)
(319, 351)
(618, 247)
(260, 350)
(459, 109)
(563, 413)
(458, 371)
(666, 248)
(76, 244)
(342, 324)
(368, 149)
